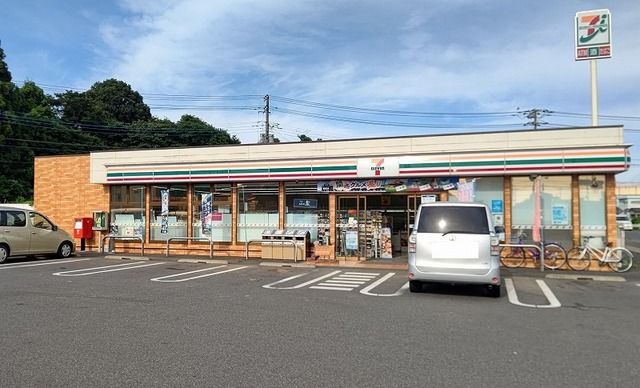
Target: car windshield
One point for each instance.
(453, 219)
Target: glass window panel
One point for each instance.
(127, 210)
(176, 217)
(592, 209)
(257, 209)
(218, 224)
(555, 205)
(307, 209)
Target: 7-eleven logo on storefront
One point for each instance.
(377, 167)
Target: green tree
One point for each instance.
(304, 138)
(119, 101)
(5, 74)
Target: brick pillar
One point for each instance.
(234, 213)
(190, 210)
(507, 207)
(610, 212)
(147, 213)
(281, 205)
(575, 209)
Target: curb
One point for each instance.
(587, 277)
(200, 261)
(292, 265)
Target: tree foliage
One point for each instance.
(109, 115)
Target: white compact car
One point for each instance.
(27, 232)
(624, 222)
(454, 243)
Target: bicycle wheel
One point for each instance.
(577, 260)
(511, 257)
(623, 259)
(554, 256)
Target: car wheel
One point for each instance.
(493, 291)
(65, 249)
(415, 286)
(4, 253)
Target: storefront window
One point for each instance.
(212, 211)
(307, 209)
(127, 210)
(257, 209)
(172, 222)
(555, 208)
(592, 209)
(487, 190)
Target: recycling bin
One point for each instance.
(267, 243)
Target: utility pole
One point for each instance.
(266, 137)
(535, 115)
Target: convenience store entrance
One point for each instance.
(376, 226)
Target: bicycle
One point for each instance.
(619, 259)
(513, 257)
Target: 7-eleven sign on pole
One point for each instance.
(593, 34)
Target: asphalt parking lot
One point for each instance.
(90, 321)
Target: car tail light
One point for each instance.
(412, 243)
(495, 246)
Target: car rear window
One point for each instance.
(622, 218)
(453, 219)
(12, 218)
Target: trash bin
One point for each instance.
(288, 250)
(267, 243)
(304, 247)
(277, 237)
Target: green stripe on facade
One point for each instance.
(248, 170)
(289, 169)
(424, 165)
(162, 173)
(595, 160)
(334, 168)
(209, 172)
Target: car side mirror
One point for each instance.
(54, 227)
(499, 229)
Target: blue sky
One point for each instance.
(442, 56)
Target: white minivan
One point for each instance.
(27, 232)
(454, 242)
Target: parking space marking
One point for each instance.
(348, 281)
(367, 289)
(513, 296)
(164, 279)
(22, 265)
(271, 285)
(109, 268)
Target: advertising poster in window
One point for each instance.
(386, 248)
(206, 212)
(351, 240)
(164, 211)
(559, 215)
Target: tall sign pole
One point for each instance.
(593, 42)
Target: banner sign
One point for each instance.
(497, 206)
(389, 185)
(593, 34)
(466, 191)
(206, 212)
(305, 203)
(164, 211)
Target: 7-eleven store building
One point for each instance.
(356, 198)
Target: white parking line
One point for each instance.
(367, 289)
(270, 285)
(513, 296)
(21, 265)
(110, 268)
(164, 278)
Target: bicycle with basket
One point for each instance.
(555, 256)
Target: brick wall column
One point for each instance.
(507, 187)
(189, 210)
(147, 213)
(575, 209)
(234, 213)
(610, 211)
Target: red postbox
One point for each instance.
(83, 227)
